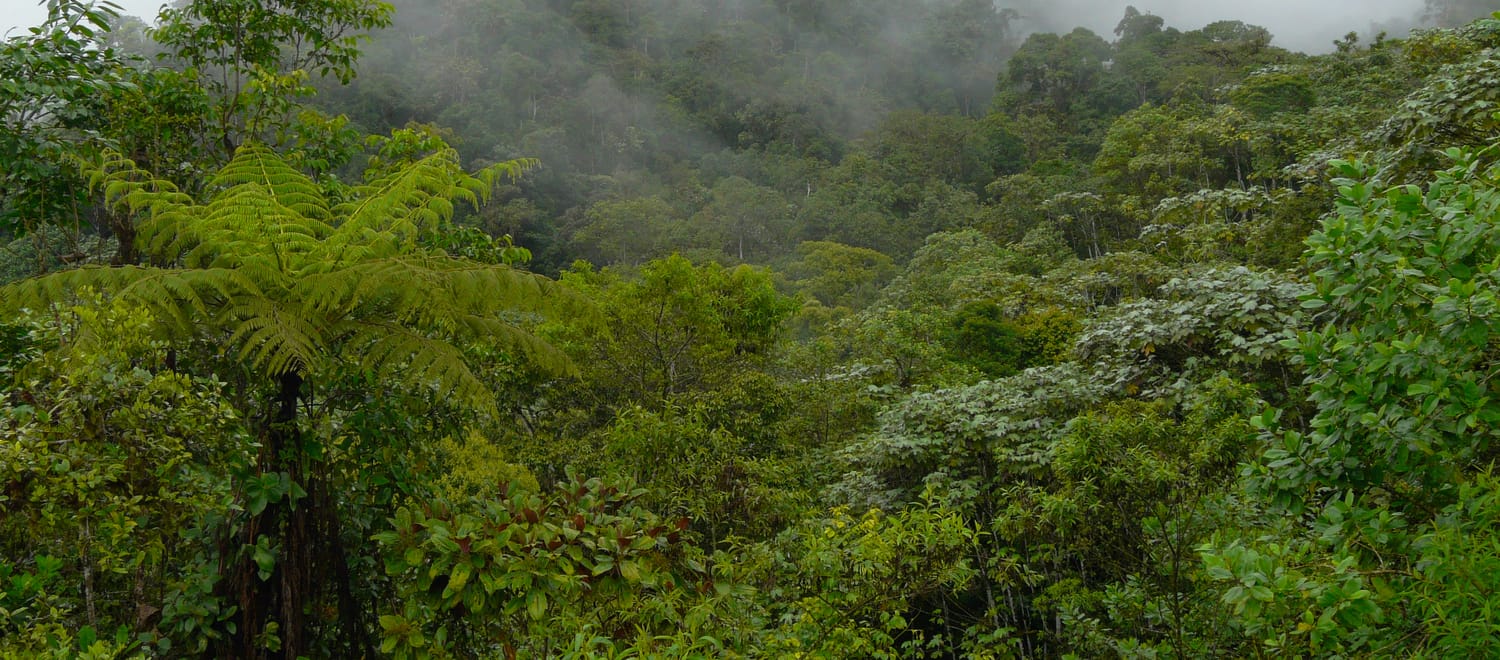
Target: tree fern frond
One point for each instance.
(395, 203)
(256, 164)
(393, 352)
(295, 285)
(244, 228)
(180, 299)
(435, 287)
(274, 337)
(165, 233)
(495, 332)
(420, 197)
(509, 170)
(128, 187)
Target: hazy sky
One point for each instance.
(1309, 25)
(26, 13)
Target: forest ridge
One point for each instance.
(768, 328)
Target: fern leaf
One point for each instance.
(291, 284)
(396, 353)
(256, 164)
(275, 338)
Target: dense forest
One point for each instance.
(758, 328)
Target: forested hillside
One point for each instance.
(769, 328)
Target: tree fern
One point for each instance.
(296, 284)
(297, 289)
(255, 164)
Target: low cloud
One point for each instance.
(1297, 24)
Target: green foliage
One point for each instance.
(952, 268)
(626, 232)
(48, 248)
(1454, 594)
(111, 464)
(27, 591)
(680, 327)
(263, 262)
(296, 290)
(726, 484)
(851, 585)
(326, 35)
(905, 345)
(473, 467)
(839, 275)
(1233, 320)
(1399, 370)
(742, 218)
(920, 147)
(967, 439)
(1217, 225)
(981, 334)
(160, 120)
(1156, 152)
(1149, 482)
(1148, 466)
(254, 58)
(1288, 600)
(1401, 361)
(833, 401)
(1455, 108)
(526, 573)
(311, 410)
(1054, 73)
(1271, 93)
(53, 82)
(1000, 346)
(1095, 511)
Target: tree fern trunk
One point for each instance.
(124, 231)
(332, 562)
(279, 597)
(292, 579)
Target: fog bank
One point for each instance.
(1297, 24)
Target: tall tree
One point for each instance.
(1057, 74)
(744, 218)
(254, 56)
(53, 81)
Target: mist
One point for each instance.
(1297, 24)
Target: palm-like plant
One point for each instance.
(295, 288)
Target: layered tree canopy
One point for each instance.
(636, 328)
